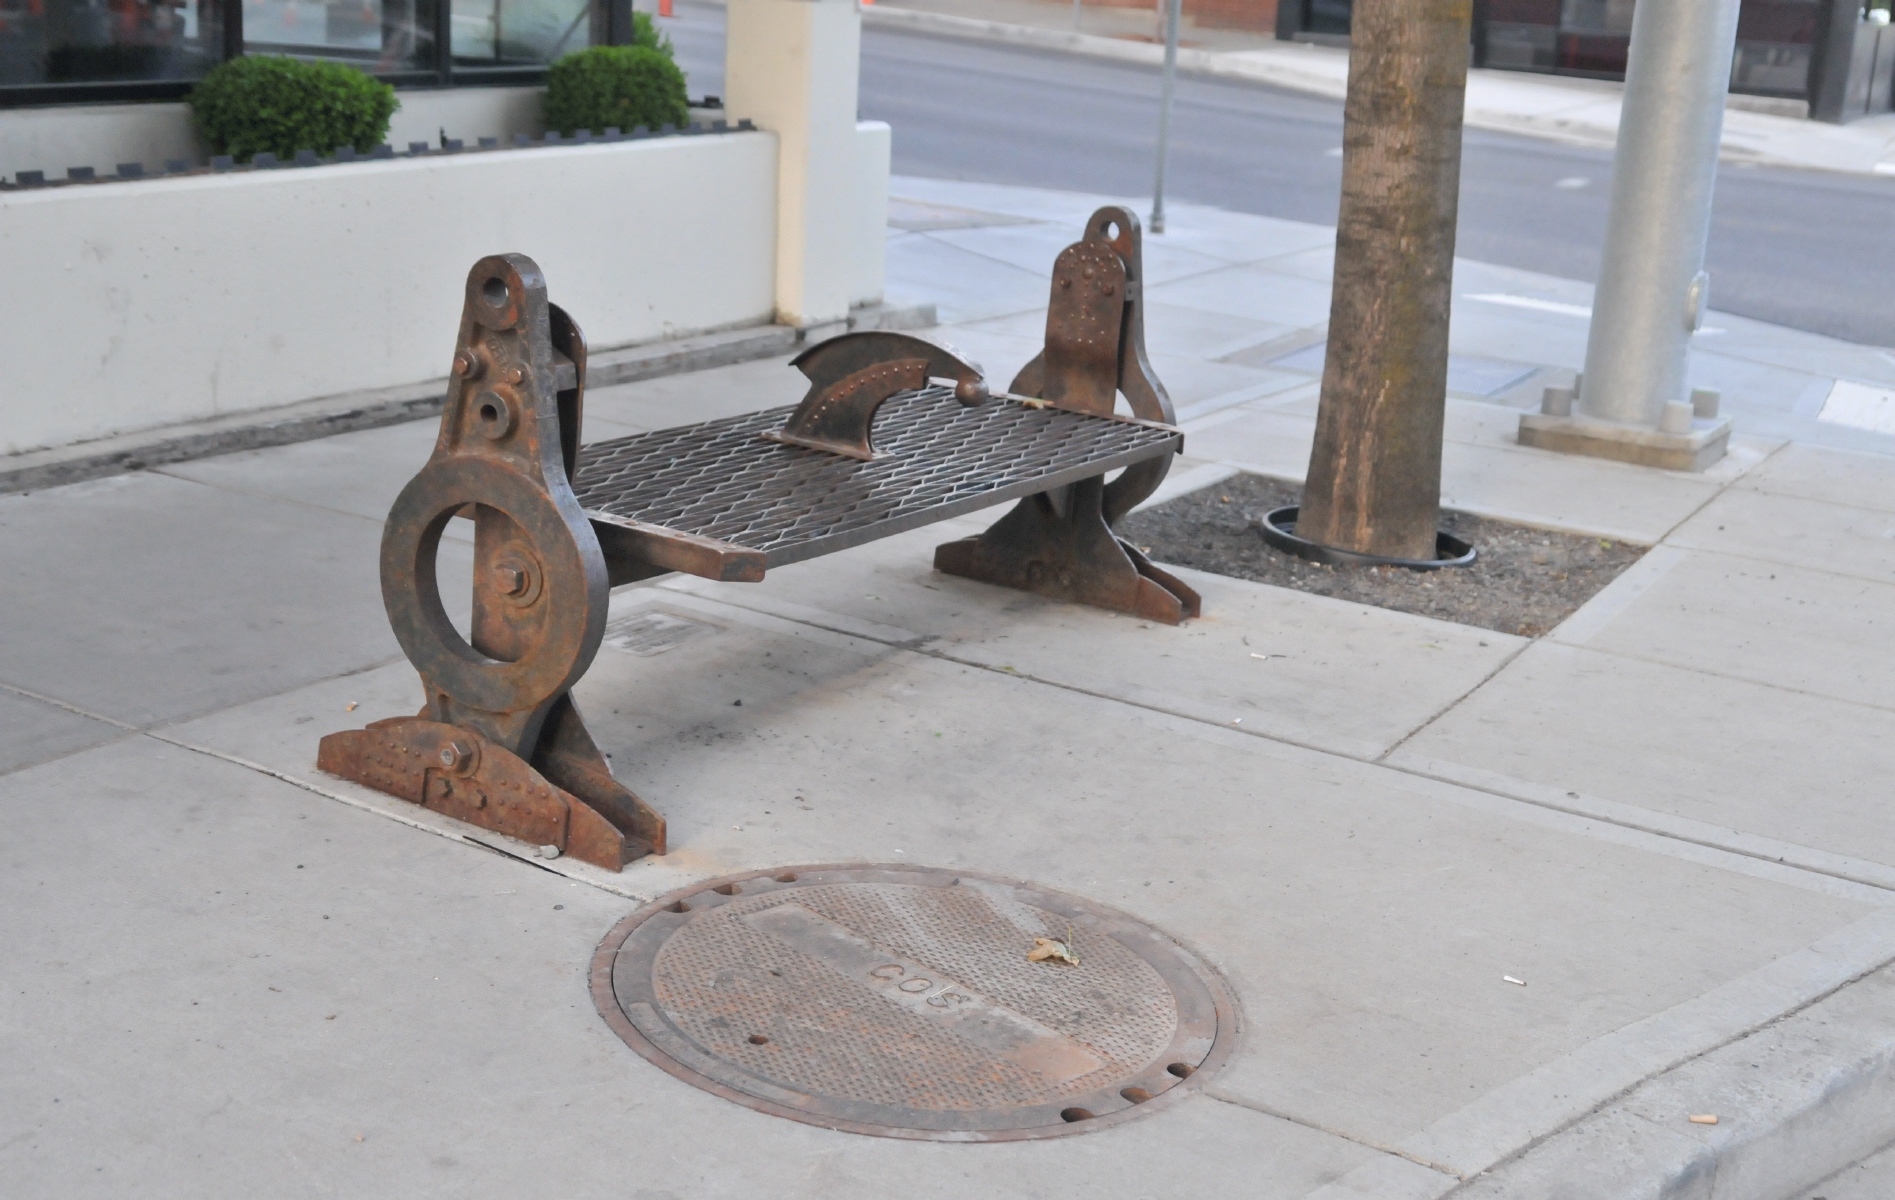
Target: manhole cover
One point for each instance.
(899, 1001)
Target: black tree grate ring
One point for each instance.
(1279, 529)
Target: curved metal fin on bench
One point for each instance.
(850, 376)
(499, 743)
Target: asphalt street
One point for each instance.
(1807, 249)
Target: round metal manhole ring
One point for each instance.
(899, 1001)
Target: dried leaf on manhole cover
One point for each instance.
(1047, 949)
(895, 1000)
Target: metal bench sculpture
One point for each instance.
(500, 744)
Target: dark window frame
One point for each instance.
(607, 24)
(1294, 20)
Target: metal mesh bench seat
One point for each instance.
(894, 432)
(721, 480)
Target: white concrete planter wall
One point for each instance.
(153, 303)
(867, 233)
(146, 304)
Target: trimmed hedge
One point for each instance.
(645, 32)
(619, 87)
(258, 103)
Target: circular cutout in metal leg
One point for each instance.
(551, 566)
(900, 1001)
(1279, 529)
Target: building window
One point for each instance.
(382, 37)
(64, 51)
(65, 42)
(516, 33)
(1590, 37)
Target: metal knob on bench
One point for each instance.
(849, 378)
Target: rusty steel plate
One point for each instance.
(899, 1001)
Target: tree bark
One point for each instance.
(1375, 471)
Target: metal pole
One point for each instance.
(1652, 287)
(1174, 13)
(1076, 4)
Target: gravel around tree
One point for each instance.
(1525, 580)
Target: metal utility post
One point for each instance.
(1174, 13)
(1632, 403)
(1076, 4)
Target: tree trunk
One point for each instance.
(1375, 471)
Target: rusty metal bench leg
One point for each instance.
(500, 743)
(1061, 544)
(1058, 544)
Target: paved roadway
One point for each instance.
(1807, 249)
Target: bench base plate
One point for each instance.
(1057, 544)
(460, 774)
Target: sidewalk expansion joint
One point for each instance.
(1778, 563)
(1653, 830)
(1381, 760)
(929, 234)
(392, 811)
(1709, 673)
(32, 764)
(1217, 1093)
(71, 708)
(1718, 494)
(248, 493)
(1219, 264)
(505, 853)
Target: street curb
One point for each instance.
(1796, 1101)
(1795, 1058)
(1231, 66)
(1207, 63)
(311, 419)
(1195, 62)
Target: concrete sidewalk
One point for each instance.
(233, 976)
(1561, 108)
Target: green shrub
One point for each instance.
(615, 87)
(645, 32)
(256, 103)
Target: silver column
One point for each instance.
(1651, 288)
(1174, 14)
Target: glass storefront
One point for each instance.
(64, 41)
(1589, 38)
(1773, 47)
(514, 32)
(72, 50)
(380, 36)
